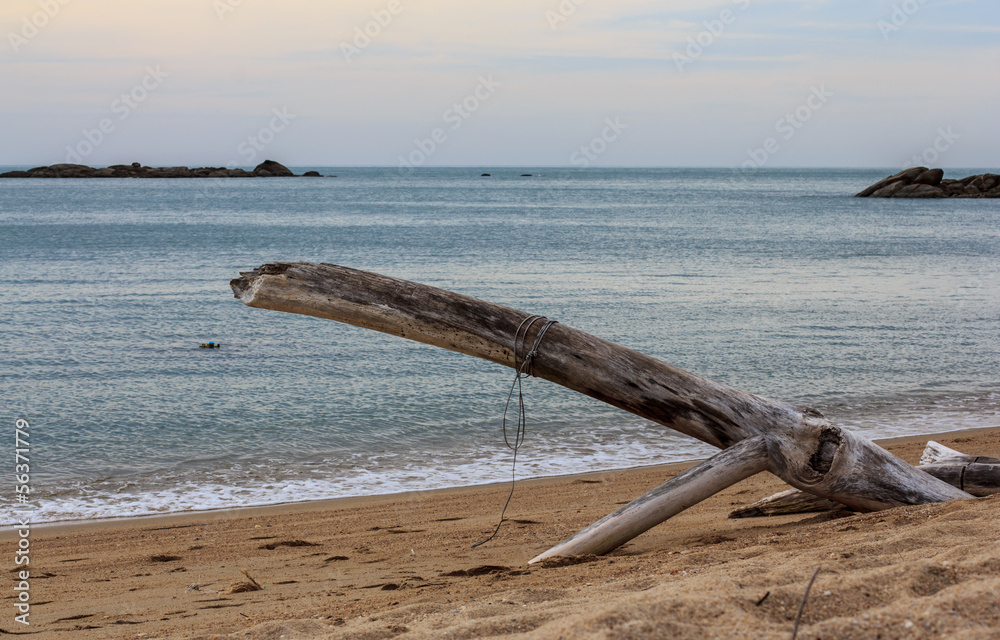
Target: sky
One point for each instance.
(720, 83)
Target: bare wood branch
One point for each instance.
(803, 447)
(701, 481)
(707, 410)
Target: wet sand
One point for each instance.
(403, 566)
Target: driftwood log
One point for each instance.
(785, 503)
(797, 444)
(976, 475)
(937, 453)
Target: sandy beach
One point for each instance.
(402, 566)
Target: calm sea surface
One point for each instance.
(884, 314)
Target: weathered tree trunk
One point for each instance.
(976, 475)
(975, 478)
(803, 448)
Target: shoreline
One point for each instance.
(402, 565)
(243, 482)
(351, 501)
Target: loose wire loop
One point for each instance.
(523, 367)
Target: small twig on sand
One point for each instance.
(246, 572)
(802, 605)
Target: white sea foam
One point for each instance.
(256, 484)
(374, 475)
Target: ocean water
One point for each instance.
(883, 314)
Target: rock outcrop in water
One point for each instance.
(270, 168)
(921, 182)
(266, 169)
